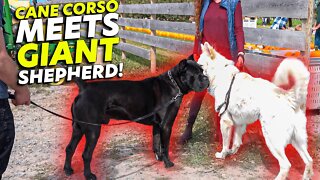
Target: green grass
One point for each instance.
(199, 151)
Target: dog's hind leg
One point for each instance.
(92, 135)
(75, 139)
(300, 142)
(303, 152)
(225, 126)
(157, 142)
(278, 152)
(237, 138)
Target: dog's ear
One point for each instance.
(182, 65)
(191, 57)
(208, 50)
(205, 48)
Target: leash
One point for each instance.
(227, 98)
(11, 96)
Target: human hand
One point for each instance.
(22, 96)
(240, 63)
(314, 29)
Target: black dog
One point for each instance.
(160, 96)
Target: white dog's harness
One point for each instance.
(227, 98)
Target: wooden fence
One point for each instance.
(298, 40)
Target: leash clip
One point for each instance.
(176, 97)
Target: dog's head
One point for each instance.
(212, 62)
(191, 76)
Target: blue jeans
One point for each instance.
(317, 39)
(7, 134)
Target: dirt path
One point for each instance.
(124, 152)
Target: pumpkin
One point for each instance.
(315, 53)
(312, 45)
(288, 54)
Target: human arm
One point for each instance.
(8, 74)
(239, 33)
(196, 48)
(315, 27)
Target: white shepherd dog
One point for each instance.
(242, 99)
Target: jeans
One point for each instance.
(7, 134)
(317, 39)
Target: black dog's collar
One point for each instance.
(174, 82)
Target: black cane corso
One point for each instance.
(98, 102)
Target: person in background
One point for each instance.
(218, 22)
(279, 23)
(8, 76)
(316, 27)
(265, 21)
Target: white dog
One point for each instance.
(242, 99)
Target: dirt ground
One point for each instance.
(124, 152)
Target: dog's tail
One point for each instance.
(292, 73)
(81, 84)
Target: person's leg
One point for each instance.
(7, 134)
(264, 21)
(194, 110)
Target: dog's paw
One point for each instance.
(91, 177)
(234, 150)
(220, 155)
(68, 171)
(158, 157)
(168, 164)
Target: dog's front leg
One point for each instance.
(166, 127)
(157, 142)
(165, 140)
(225, 126)
(237, 138)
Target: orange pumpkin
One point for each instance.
(312, 45)
(288, 54)
(296, 54)
(315, 53)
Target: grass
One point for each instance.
(198, 151)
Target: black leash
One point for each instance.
(227, 98)
(11, 96)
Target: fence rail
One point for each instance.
(261, 8)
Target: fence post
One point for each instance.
(123, 55)
(153, 53)
(306, 26)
